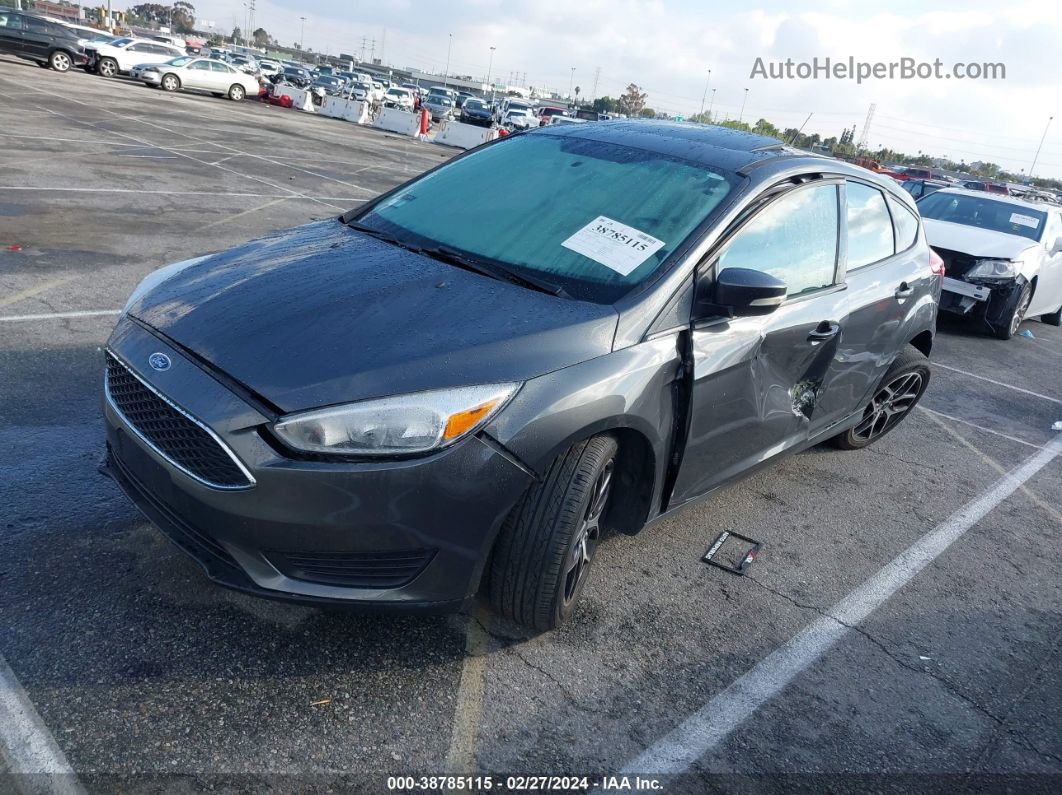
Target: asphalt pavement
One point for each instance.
(146, 676)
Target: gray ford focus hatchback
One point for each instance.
(457, 388)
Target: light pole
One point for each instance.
(446, 72)
(490, 65)
(743, 100)
(571, 82)
(302, 33)
(705, 94)
(1037, 155)
(710, 103)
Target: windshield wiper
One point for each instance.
(494, 270)
(490, 268)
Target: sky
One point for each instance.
(668, 46)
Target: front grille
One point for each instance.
(172, 433)
(353, 569)
(955, 262)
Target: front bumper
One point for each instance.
(151, 77)
(989, 302)
(311, 531)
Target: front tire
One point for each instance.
(899, 391)
(60, 61)
(1009, 324)
(237, 92)
(542, 557)
(170, 83)
(107, 67)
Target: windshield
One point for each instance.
(626, 208)
(473, 104)
(984, 213)
(181, 61)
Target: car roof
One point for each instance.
(999, 197)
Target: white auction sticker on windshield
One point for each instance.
(617, 246)
(1024, 220)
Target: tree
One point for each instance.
(261, 38)
(632, 101)
(606, 105)
(647, 113)
(182, 17)
(237, 35)
(764, 127)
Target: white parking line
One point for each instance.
(981, 428)
(997, 383)
(58, 315)
(180, 193)
(709, 726)
(25, 742)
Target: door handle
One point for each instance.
(904, 290)
(824, 331)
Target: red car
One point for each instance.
(545, 115)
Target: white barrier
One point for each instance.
(399, 121)
(464, 136)
(300, 98)
(346, 109)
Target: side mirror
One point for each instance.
(1057, 246)
(739, 292)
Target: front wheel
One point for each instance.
(237, 92)
(543, 554)
(170, 83)
(899, 392)
(1009, 324)
(60, 61)
(108, 67)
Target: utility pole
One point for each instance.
(490, 65)
(1037, 155)
(302, 34)
(571, 82)
(711, 102)
(743, 101)
(705, 94)
(597, 76)
(446, 73)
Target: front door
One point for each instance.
(198, 75)
(758, 380)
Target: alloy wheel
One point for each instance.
(108, 68)
(1020, 310)
(584, 544)
(169, 82)
(60, 61)
(889, 406)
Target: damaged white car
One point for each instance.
(1003, 257)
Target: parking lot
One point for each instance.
(904, 616)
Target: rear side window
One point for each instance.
(794, 239)
(905, 224)
(869, 226)
(34, 25)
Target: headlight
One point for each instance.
(993, 269)
(400, 425)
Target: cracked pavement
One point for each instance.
(145, 673)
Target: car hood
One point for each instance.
(975, 241)
(323, 314)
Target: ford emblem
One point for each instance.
(159, 361)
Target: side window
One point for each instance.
(34, 25)
(794, 239)
(11, 21)
(869, 226)
(139, 48)
(220, 67)
(203, 65)
(905, 224)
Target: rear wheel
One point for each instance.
(899, 392)
(60, 61)
(237, 92)
(1053, 319)
(543, 555)
(107, 67)
(170, 83)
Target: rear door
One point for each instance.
(890, 291)
(757, 380)
(222, 76)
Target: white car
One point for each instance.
(399, 98)
(360, 91)
(519, 118)
(268, 68)
(1002, 257)
(204, 74)
(119, 56)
